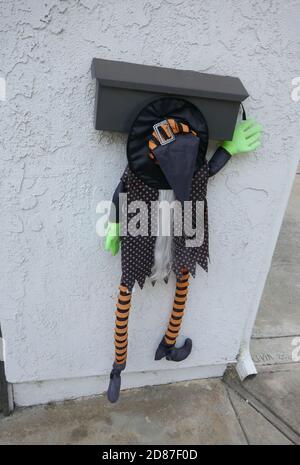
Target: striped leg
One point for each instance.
(121, 327)
(121, 334)
(178, 308)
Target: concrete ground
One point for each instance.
(262, 410)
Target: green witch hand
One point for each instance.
(112, 240)
(246, 137)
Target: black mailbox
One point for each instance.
(123, 89)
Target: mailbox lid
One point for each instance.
(161, 80)
(123, 89)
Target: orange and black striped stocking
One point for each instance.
(175, 321)
(121, 327)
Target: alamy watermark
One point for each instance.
(2, 89)
(163, 218)
(2, 349)
(296, 351)
(295, 94)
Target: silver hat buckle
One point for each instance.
(161, 139)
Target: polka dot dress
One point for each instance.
(137, 252)
(188, 257)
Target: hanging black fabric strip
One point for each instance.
(244, 116)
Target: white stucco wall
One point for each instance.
(58, 286)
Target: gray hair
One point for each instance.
(163, 252)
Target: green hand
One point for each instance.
(246, 137)
(112, 240)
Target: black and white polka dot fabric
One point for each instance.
(137, 252)
(188, 257)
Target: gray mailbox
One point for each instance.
(123, 89)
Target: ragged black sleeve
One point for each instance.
(114, 215)
(218, 161)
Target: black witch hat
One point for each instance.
(167, 144)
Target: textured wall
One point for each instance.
(56, 316)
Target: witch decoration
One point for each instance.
(167, 166)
